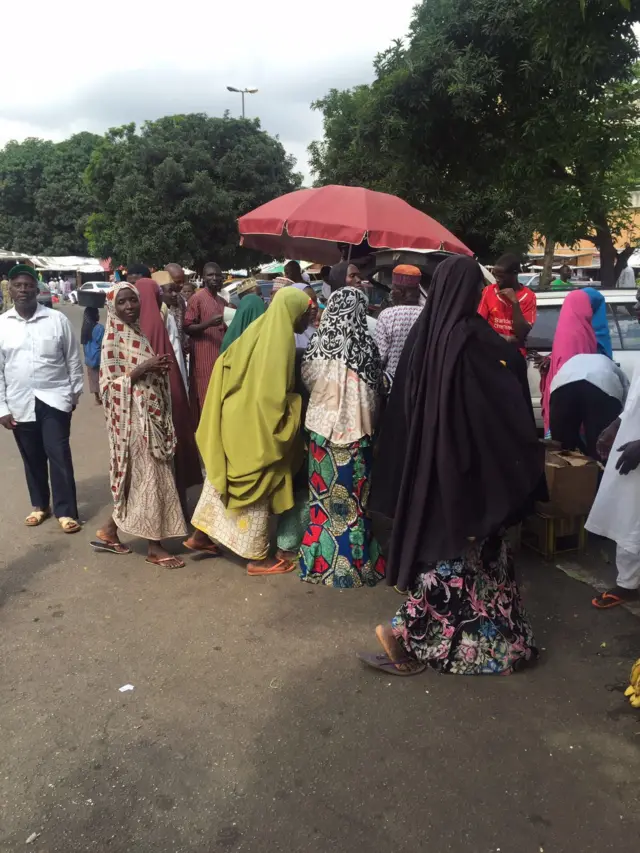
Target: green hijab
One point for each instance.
(251, 307)
(249, 432)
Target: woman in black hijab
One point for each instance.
(458, 458)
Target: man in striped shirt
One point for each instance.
(204, 323)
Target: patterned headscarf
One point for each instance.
(123, 348)
(343, 371)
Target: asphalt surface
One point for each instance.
(253, 727)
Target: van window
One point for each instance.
(543, 331)
(629, 326)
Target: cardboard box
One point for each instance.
(572, 480)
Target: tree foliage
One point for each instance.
(499, 119)
(44, 204)
(174, 190)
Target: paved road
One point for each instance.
(252, 727)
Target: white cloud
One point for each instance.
(93, 66)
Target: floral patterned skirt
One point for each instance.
(337, 547)
(465, 616)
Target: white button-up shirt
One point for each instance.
(39, 358)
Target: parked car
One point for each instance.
(529, 279)
(93, 287)
(44, 297)
(623, 326)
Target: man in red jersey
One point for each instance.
(508, 306)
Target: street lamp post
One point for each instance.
(243, 92)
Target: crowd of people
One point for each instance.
(419, 438)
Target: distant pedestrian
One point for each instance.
(563, 282)
(136, 272)
(40, 384)
(6, 294)
(91, 339)
(188, 289)
(204, 323)
(179, 308)
(394, 324)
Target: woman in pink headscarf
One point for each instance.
(583, 390)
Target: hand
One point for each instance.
(629, 458)
(509, 294)
(542, 362)
(606, 439)
(155, 364)
(8, 422)
(216, 321)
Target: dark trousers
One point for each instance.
(46, 440)
(581, 405)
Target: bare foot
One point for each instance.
(394, 650)
(199, 541)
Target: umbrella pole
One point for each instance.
(349, 253)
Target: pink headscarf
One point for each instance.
(574, 336)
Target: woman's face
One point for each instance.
(353, 276)
(302, 322)
(127, 306)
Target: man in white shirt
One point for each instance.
(40, 383)
(394, 324)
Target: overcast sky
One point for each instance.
(82, 66)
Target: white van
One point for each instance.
(623, 326)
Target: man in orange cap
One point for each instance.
(394, 324)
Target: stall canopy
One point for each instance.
(68, 263)
(277, 267)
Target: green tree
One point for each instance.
(499, 119)
(44, 204)
(173, 191)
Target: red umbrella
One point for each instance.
(308, 224)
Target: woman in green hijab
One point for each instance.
(249, 437)
(251, 307)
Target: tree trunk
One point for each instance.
(608, 255)
(547, 263)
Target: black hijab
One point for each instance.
(458, 452)
(90, 317)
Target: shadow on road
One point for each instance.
(17, 574)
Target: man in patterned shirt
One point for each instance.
(394, 324)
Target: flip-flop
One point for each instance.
(110, 547)
(38, 516)
(205, 549)
(282, 567)
(162, 560)
(609, 599)
(385, 664)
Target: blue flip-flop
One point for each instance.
(385, 664)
